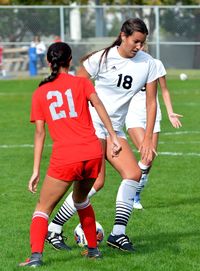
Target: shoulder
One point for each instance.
(73, 79)
(95, 55)
(160, 67)
(42, 88)
(83, 80)
(144, 56)
(37, 93)
(158, 62)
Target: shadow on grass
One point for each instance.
(163, 241)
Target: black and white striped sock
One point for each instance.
(124, 205)
(66, 211)
(144, 178)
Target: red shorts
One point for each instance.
(76, 171)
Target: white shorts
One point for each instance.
(142, 124)
(102, 133)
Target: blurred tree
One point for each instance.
(99, 2)
(5, 2)
(28, 22)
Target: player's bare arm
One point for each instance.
(116, 148)
(174, 118)
(81, 71)
(38, 148)
(147, 149)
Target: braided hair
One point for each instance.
(59, 54)
(128, 28)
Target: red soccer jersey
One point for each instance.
(63, 105)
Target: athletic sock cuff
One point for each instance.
(142, 166)
(92, 192)
(40, 214)
(130, 182)
(82, 205)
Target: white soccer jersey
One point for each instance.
(117, 80)
(137, 107)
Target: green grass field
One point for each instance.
(166, 233)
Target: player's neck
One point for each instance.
(63, 70)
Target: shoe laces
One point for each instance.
(59, 236)
(62, 237)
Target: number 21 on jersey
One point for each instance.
(55, 114)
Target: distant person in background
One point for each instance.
(136, 121)
(57, 39)
(2, 70)
(40, 51)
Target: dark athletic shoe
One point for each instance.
(57, 241)
(121, 242)
(92, 253)
(34, 261)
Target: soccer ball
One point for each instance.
(79, 235)
(183, 76)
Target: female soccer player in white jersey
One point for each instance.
(119, 72)
(136, 122)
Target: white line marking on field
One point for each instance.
(180, 133)
(20, 146)
(178, 142)
(14, 94)
(185, 91)
(190, 104)
(179, 153)
(49, 145)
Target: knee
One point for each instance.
(78, 198)
(135, 175)
(138, 175)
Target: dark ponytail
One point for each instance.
(59, 54)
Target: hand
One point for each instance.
(174, 119)
(33, 182)
(116, 146)
(147, 151)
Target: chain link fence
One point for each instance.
(174, 31)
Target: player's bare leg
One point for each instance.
(67, 210)
(127, 166)
(137, 135)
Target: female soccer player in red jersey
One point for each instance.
(61, 101)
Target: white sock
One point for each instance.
(92, 192)
(55, 228)
(142, 166)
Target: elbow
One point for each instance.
(40, 135)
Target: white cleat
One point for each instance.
(137, 205)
